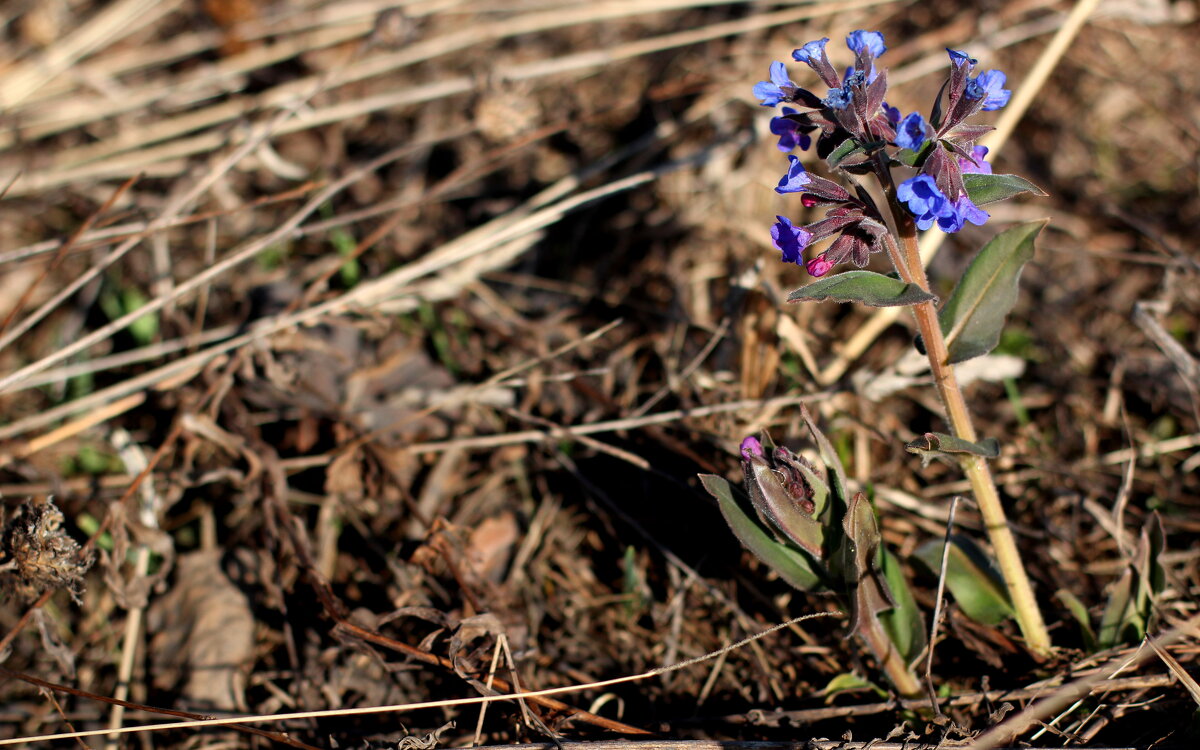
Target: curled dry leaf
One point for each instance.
(203, 626)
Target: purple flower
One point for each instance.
(979, 166)
(924, 200)
(795, 179)
(789, 132)
(958, 57)
(810, 52)
(991, 82)
(910, 133)
(777, 89)
(892, 114)
(791, 241)
(751, 448)
(818, 266)
(870, 39)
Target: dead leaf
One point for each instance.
(204, 626)
(490, 546)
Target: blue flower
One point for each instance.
(789, 132)
(958, 57)
(810, 52)
(961, 211)
(870, 39)
(838, 98)
(790, 240)
(892, 113)
(910, 133)
(772, 92)
(991, 82)
(924, 200)
(796, 178)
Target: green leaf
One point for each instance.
(1148, 562)
(1130, 607)
(971, 577)
(831, 515)
(1080, 613)
(867, 287)
(848, 682)
(904, 623)
(143, 329)
(848, 153)
(974, 315)
(1118, 614)
(933, 445)
(791, 565)
(990, 188)
(910, 158)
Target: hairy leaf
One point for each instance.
(933, 445)
(849, 154)
(974, 315)
(791, 565)
(971, 577)
(867, 287)
(990, 188)
(869, 593)
(839, 497)
(904, 623)
(772, 500)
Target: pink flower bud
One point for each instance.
(818, 266)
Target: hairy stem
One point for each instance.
(888, 656)
(1020, 591)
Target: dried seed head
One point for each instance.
(39, 554)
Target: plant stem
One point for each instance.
(1008, 557)
(888, 656)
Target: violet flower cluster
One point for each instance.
(942, 149)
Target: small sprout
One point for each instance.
(812, 538)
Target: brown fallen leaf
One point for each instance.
(203, 627)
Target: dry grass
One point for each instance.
(362, 337)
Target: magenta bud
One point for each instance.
(818, 266)
(751, 449)
(809, 200)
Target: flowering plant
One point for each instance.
(933, 172)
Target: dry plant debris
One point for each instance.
(426, 314)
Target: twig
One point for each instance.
(368, 710)
(937, 607)
(1013, 727)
